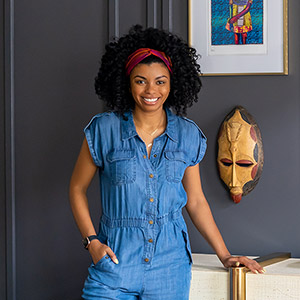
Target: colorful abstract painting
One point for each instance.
(237, 22)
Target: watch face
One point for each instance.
(85, 242)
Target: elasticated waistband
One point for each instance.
(140, 222)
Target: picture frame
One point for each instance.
(218, 34)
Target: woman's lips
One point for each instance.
(151, 100)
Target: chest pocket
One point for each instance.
(175, 165)
(122, 166)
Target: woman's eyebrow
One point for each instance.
(139, 76)
(158, 77)
(162, 76)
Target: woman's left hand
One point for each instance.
(236, 261)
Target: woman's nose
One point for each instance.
(150, 88)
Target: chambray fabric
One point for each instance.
(142, 199)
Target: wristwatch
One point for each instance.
(86, 241)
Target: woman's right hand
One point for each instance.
(99, 250)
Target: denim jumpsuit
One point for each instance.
(142, 199)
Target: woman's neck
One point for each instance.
(149, 121)
(149, 126)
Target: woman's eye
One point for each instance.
(140, 81)
(160, 82)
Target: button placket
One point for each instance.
(143, 155)
(150, 212)
(149, 245)
(151, 230)
(154, 152)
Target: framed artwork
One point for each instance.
(240, 37)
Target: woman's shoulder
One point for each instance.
(190, 126)
(105, 118)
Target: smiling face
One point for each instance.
(150, 86)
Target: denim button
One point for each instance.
(144, 156)
(146, 259)
(150, 241)
(151, 222)
(151, 199)
(155, 155)
(151, 175)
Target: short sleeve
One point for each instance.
(199, 141)
(93, 136)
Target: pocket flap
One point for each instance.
(175, 155)
(115, 155)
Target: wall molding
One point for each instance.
(9, 104)
(167, 15)
(151, 13)
(152, 8)
(113, 19)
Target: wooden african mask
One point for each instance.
(240, 153)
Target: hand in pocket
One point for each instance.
(99, 250)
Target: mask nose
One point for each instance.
(234, 180)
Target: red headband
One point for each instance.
(140, 54)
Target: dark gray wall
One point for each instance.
(267, 220)
(57, 49)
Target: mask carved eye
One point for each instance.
(244, 163)
(226, 162)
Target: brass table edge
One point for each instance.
(238, 274)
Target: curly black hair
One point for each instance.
(112, 84)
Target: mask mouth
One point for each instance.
(236, 198)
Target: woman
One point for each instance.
(147, 159)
